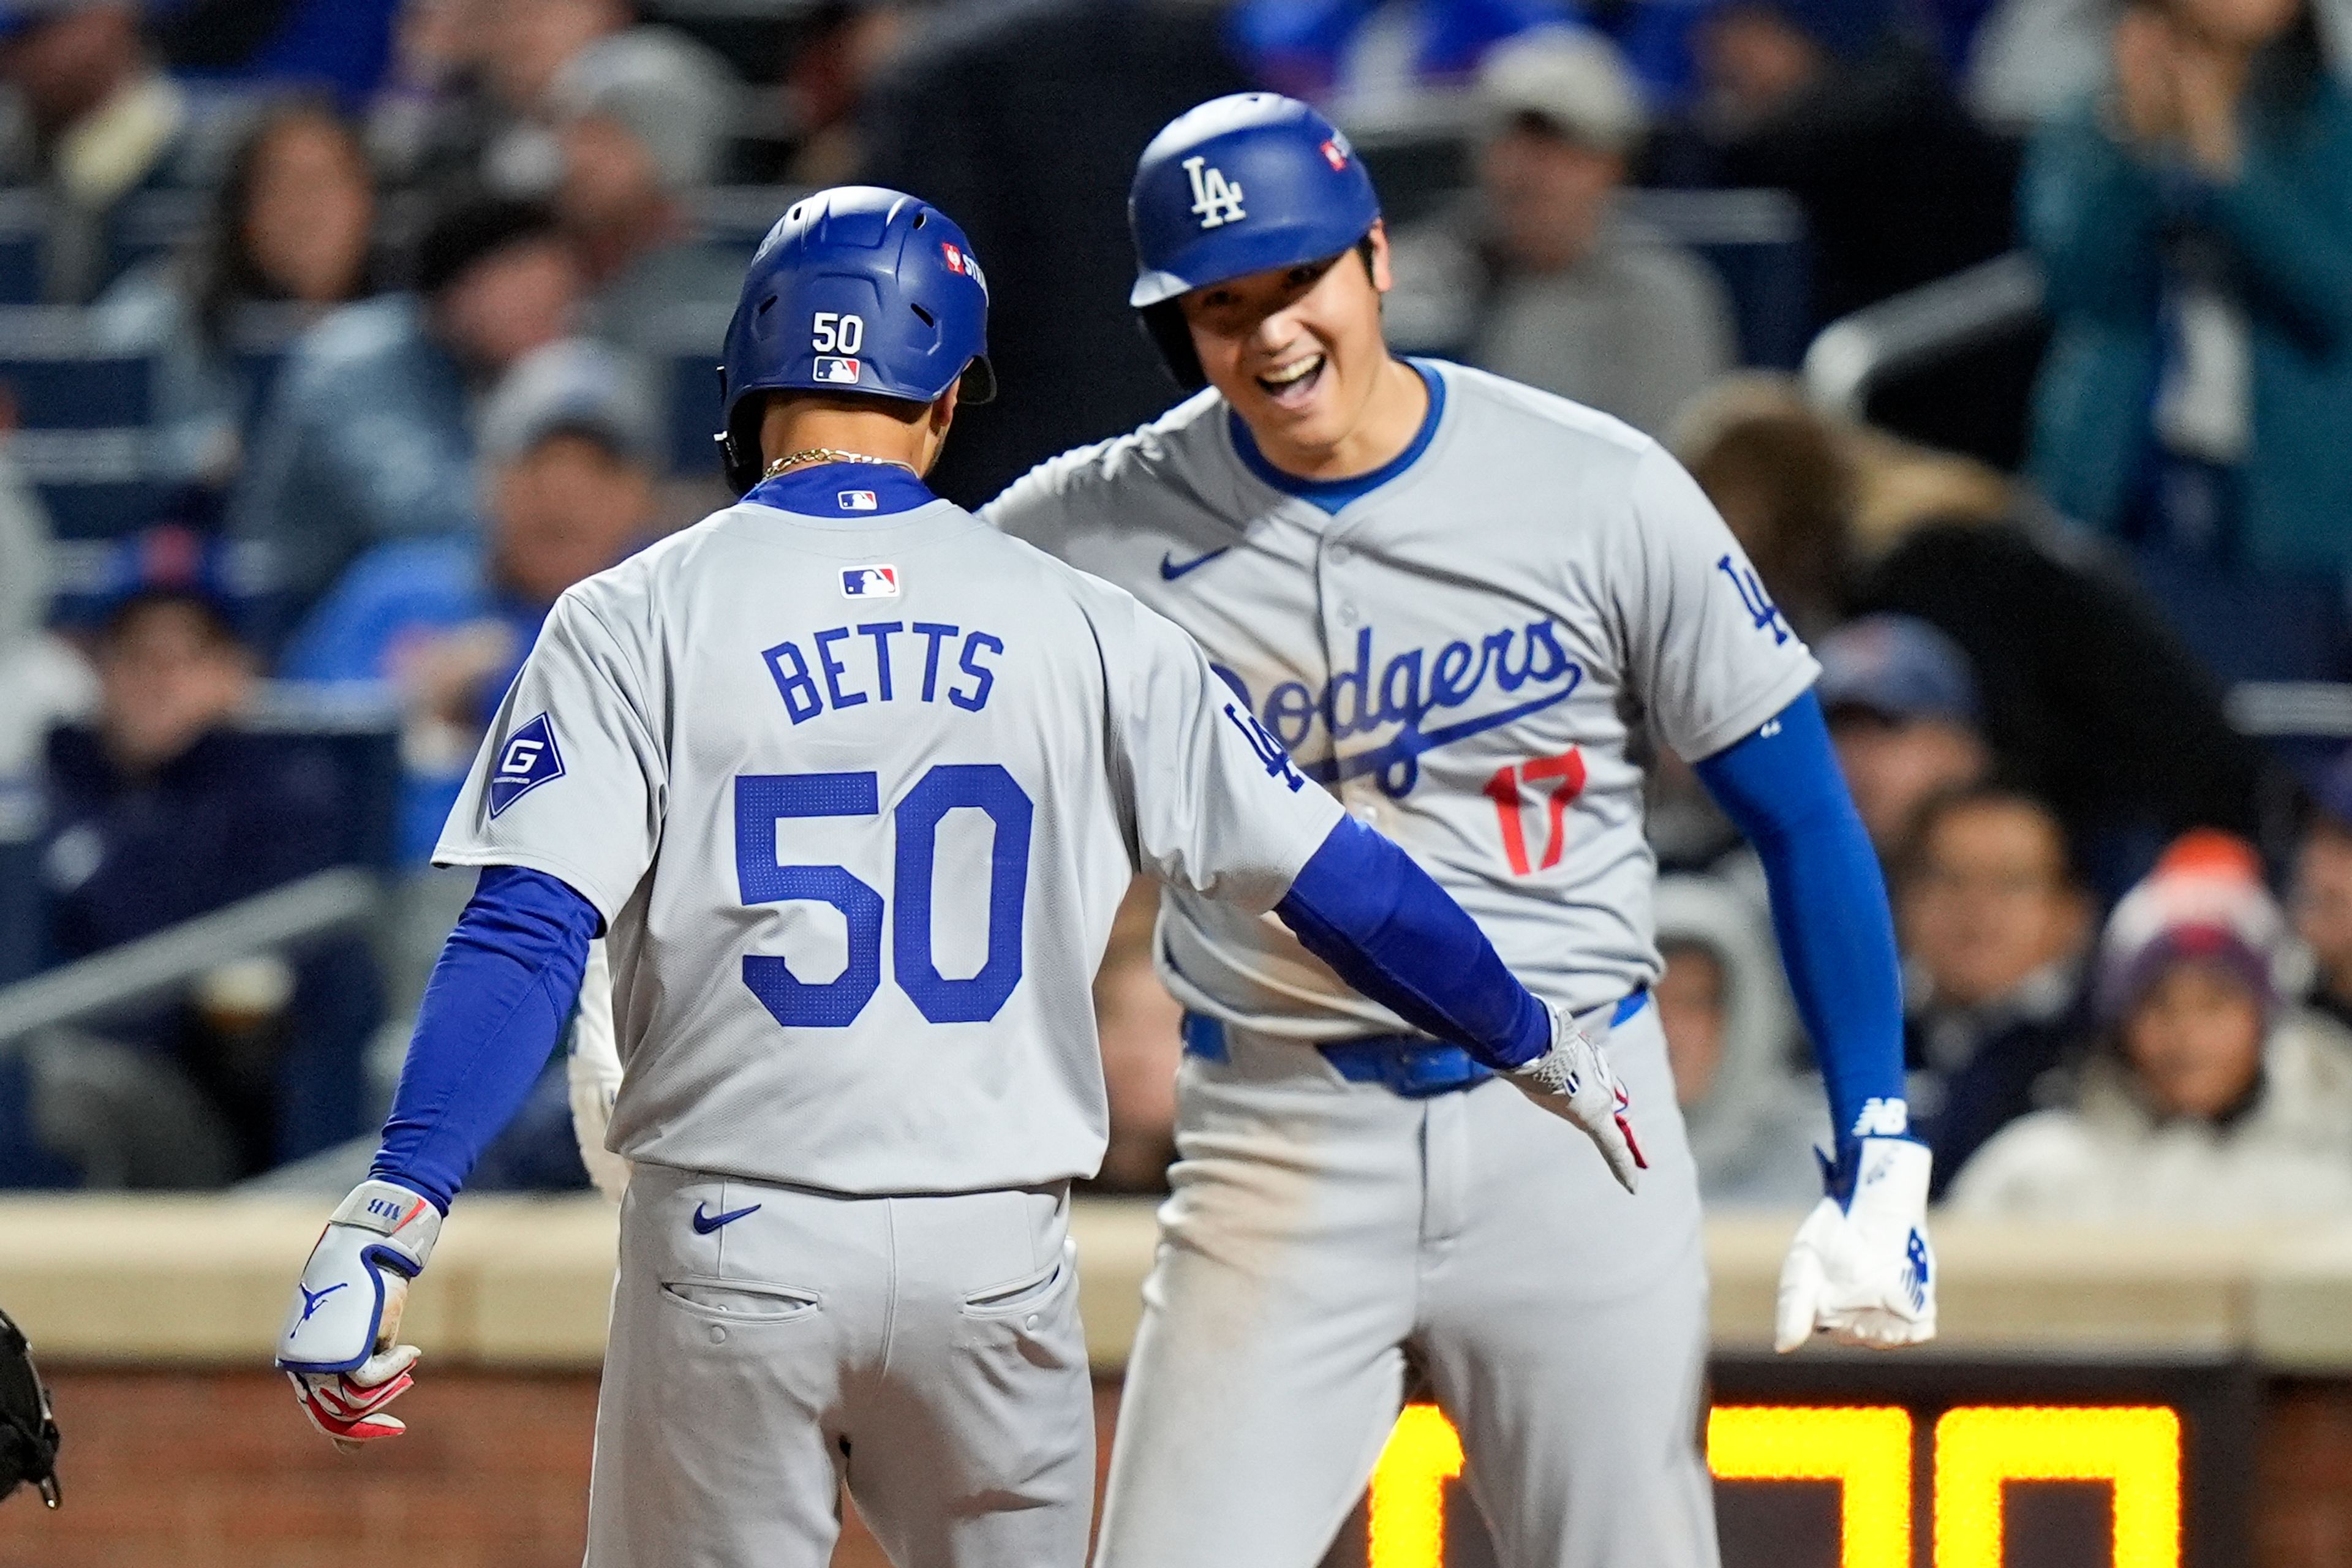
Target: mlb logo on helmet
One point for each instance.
(1336, 150)
(831, 368)
(528, 759)
(869, 582)
(856, 501)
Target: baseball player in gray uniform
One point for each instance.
(1463, 605)
(856, 784)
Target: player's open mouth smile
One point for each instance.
(1292, 385)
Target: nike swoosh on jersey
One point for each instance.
(704, 1224)
(1170, 571)
(1406, 749)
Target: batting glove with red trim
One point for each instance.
(339, 1345)
(1574, 1082)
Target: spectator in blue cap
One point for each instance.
(571, 445)
(1902, 706)
(162, 808)
(107, 126)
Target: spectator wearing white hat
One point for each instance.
(1541, 279)
(571, 445)
(644, 118)
(2211, 1100)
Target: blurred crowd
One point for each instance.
(339, 337)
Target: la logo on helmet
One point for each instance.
(1214, 202)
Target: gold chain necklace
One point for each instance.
(828, 455)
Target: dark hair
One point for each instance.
(2287, 71)
(468, 228)
(1945, 803)
(226, 272)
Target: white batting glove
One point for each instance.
(338, 1346)
(1573, 1082)
(1863, 1271)
(592, 1070)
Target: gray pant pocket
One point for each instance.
(1028, 1292)
(742, 1301)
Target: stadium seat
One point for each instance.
(259, 337)
(23, 225)
(736, 217)
(687, 336)
(1755, 240)
(356, 730)
(81, 408)
(20, 908)
(154, 224)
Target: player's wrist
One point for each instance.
(405, 1221)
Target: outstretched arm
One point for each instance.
(1364, 907)
(1781, 787)
(1861, 1267)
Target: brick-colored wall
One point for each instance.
(219, 1470)
(2303, 1491)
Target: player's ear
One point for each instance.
(1375, 250)
(936, 419)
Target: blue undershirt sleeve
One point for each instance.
(1364, 907)
(1782, 788)
(504, 985)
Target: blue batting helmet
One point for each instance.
(1235, 185)
(855, 289)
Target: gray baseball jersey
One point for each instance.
(1467, 655)
(857, 796)
(1468, 652)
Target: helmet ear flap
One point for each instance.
(978, 382)
(739, 445)
(1163, 324)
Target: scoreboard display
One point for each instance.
(1916, 1461)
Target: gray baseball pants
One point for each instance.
(926, 1351)
(1322, 1232)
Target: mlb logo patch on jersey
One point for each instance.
(869, 582)
(856, 501)
(527, 760)
(831, 367)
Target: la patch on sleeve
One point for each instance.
(527, 759)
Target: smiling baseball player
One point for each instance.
(1462, 604)
(855, 785)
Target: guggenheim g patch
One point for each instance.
(528, 759)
